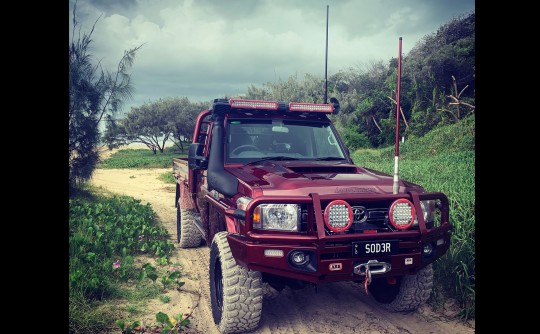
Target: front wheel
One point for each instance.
(407, 294)
(235, 292)
(188, 235)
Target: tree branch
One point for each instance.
(451, 113)
(119, 71)
(468, 105)
(377, 125)
(462, 91)
(402, 114)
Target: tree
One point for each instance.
(93, 94)
(181, 115)
(154, 123)
(431, 66)
(311, 90)
(457, 113)
(147, 125)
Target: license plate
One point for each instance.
(367, 248)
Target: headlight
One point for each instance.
(428, 210)
(283, 217)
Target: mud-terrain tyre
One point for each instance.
(188, 236)
(235, 292)
(407, 294)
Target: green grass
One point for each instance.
(108, 236)
(164, 299)
(167, 177)
(143, 158)
(443, 160)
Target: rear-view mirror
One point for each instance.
(280, 128)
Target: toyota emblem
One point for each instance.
(359, 214)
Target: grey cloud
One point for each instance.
(205, 49)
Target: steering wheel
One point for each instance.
(244, 148)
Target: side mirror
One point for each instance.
(196, 160)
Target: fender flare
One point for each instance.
(186, 202)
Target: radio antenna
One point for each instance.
(326, 61)
(395, 188)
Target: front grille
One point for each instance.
(369, 219)
(366, 216)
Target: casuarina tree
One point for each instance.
(94, 94)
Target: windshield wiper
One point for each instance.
(329, 158)
(279, 157)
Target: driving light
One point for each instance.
(253, 104)
(310, 107)
(338, 216)
(283, 217)
(402, 214)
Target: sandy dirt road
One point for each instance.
(331, 308)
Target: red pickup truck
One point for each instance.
(270, 187)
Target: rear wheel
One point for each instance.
(188, 235)
(407, 294)
(235, 292)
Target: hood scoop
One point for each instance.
(323, 169)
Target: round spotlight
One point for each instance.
(402, 214)
(338, 216)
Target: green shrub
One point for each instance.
(167, 178)
(106, 234)
(355, 140)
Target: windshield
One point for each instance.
(261, 139)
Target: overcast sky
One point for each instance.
(206, 49)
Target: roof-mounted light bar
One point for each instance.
(253, 104)
(311, 107)
(285, 107)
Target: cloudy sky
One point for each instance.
(205, 49)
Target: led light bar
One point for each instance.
(273, 252)
(311, 107)
(253, 104)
